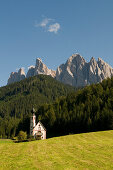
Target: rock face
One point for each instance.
(76, 71)
(40, 68)
(73, 71)
(16, 76)
(31, 72)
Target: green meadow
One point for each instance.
(80, 151)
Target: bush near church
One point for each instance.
(22, 136)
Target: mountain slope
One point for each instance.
(88, 109)
(17, 99)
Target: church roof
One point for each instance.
(42, 125)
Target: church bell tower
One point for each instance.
(32, 122)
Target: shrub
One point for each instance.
(22, 136)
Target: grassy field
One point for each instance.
(80, 151)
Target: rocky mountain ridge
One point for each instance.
(76, 71)
(40, 68)
(17, 76)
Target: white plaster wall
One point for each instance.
(42, 130)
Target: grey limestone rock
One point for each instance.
(41, 68)
(16, 76)
(31, 71)
(76, 71)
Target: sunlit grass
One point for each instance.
(80, 151)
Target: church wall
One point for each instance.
(42, 130)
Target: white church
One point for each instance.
(36, 130)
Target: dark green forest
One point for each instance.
(88, 109)
(61, 108)
(18, 99)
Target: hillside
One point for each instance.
(17, 100)
(80, 151)
(59, 107)
(88, 109)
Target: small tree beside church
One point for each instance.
(22, 136)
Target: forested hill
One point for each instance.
(88, 109)
(17, 100)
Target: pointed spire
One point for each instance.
(33, 111)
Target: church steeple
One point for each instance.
(33, 111)
(32, 122)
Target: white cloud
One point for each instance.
(54, 28)
(43, 23)
(49, 25)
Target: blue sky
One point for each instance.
(53, 30)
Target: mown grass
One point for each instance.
(80, 151)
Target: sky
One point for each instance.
(53, 30)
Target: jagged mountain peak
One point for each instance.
(76, 71)
(102, 62)
(31, 67)
(93, 62)
(21, 71)
(72, 68)
(100, 59)
(31, 70)
(75, 57)
(41, 68)
(16, 76)
(92, 59)
(39, 61)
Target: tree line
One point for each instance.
(61, 109)
(88, 109)
(18, 99)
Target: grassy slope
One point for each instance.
(80, 151)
